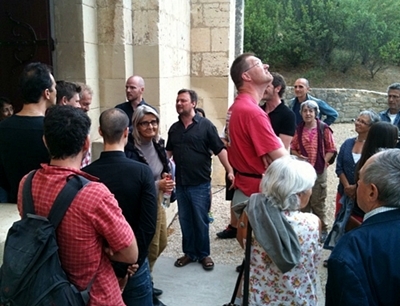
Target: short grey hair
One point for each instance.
(138, 115)
(284, 179)
(373, 117)
(384, 173)
(394, 86)
(310, 104)
(85, 88)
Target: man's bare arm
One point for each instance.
(128, 254)
(223, 157)
(286, 139)
(271, 156)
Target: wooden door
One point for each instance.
(25, 37)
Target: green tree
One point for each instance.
(327, 33)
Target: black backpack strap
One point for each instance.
(61, 204)
(85, 294)
(27, 200)
(65, 198)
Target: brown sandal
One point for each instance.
(207, 263)
(183, 261)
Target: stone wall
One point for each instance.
(347, 102)
(212, 45)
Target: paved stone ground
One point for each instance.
(228, 252)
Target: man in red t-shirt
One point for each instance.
(252, 143)
(94, 220)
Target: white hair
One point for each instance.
(284, 179)
(384, 173)
(310, 104)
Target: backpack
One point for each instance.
(31, 273)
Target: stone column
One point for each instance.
(212, 47)
(115, 50)
(239, 27)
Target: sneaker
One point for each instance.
(228, 233)
(210, 217)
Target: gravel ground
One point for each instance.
(228, 251)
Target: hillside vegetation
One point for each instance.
(334, 43)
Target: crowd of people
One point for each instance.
(275, 156)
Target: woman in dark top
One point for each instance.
(146, 146)
(350, 154)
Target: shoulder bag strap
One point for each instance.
(61, 204)
(322, 135)
(27, 200)
(65, 198)
(300, 139)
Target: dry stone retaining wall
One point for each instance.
(348, 102)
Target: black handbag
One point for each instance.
(245, 268)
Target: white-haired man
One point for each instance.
(363, 268)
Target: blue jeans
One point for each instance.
(193, 205)
(139, 289)
(3, 195)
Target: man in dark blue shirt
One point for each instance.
(301, 89)
(191, 141)
(363, 268)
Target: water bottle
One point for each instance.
(167, 195)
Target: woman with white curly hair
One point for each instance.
(285, 251)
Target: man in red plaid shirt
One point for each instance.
(93, 230)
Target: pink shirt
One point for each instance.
(250, 136)
(310, 143)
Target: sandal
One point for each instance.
(207, 263)
(183, 261)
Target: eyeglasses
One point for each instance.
(361, 121)
(393, 97)
(146, 124)
(256, 64)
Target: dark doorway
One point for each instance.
(25, 37)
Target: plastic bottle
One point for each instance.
(166, 195)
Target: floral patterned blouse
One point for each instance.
(268, 286)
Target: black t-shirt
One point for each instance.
(191, 150)
(21, 150)
(132, 184)
(127, 108)
(283, 120)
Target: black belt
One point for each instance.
(259, 176)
